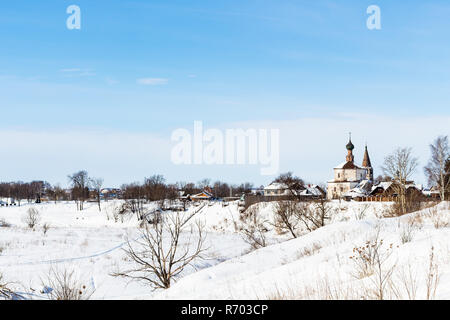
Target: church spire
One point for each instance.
(367, 164)
(366, 161)
(350, 147)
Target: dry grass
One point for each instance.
(308, 251)
(439, 220)
(410, 227)
(65, 285)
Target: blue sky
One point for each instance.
(222, 62)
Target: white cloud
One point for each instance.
(77, 72)
(152, 81)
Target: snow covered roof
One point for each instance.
(361, 190)
(347, 165)
(276, 186)
(356, 192)
(417, 186)
(384, 185)
(311, 190)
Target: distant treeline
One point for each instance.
(83, 188)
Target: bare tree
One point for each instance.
(253, 228)
(134, 193)
(399, 166)
(56, 193)
(163, 251)
(97, 184)
(156, 189)
(436, 170)
(32, 217)
(294, 184)
(287, 217)
(80, 187)
(204, 183)
(316, 215)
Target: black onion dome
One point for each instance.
(350, 146)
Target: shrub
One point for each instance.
(372, 261)
(64, 285)
(439, 221)
(4, 224)
(45, 228)
(408, 229)
(32, 218)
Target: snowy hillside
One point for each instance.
(319, 265)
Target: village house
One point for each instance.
(432, 193)
(204, 195)
(277, 189)
(312, 191)
(110, 193)
(349, 179)
(387, 189)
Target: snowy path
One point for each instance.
(56, 261)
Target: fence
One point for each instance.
(376, 199)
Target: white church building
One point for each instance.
(348, 176)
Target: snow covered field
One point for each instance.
(317, 265)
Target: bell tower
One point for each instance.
(367, 165)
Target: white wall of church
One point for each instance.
(341, 175)
(337, 190)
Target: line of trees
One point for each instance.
(19, 190)
(85, 188)
(218, 189)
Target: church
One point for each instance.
(350, 178)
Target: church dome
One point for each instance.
(350, 146)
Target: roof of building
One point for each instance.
(383, 185)
(355, 192)
(347, 165)
(276, 186)
(312, 190)
(366, 161)
(202, 195)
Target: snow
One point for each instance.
(276, 186)
(91, 242)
